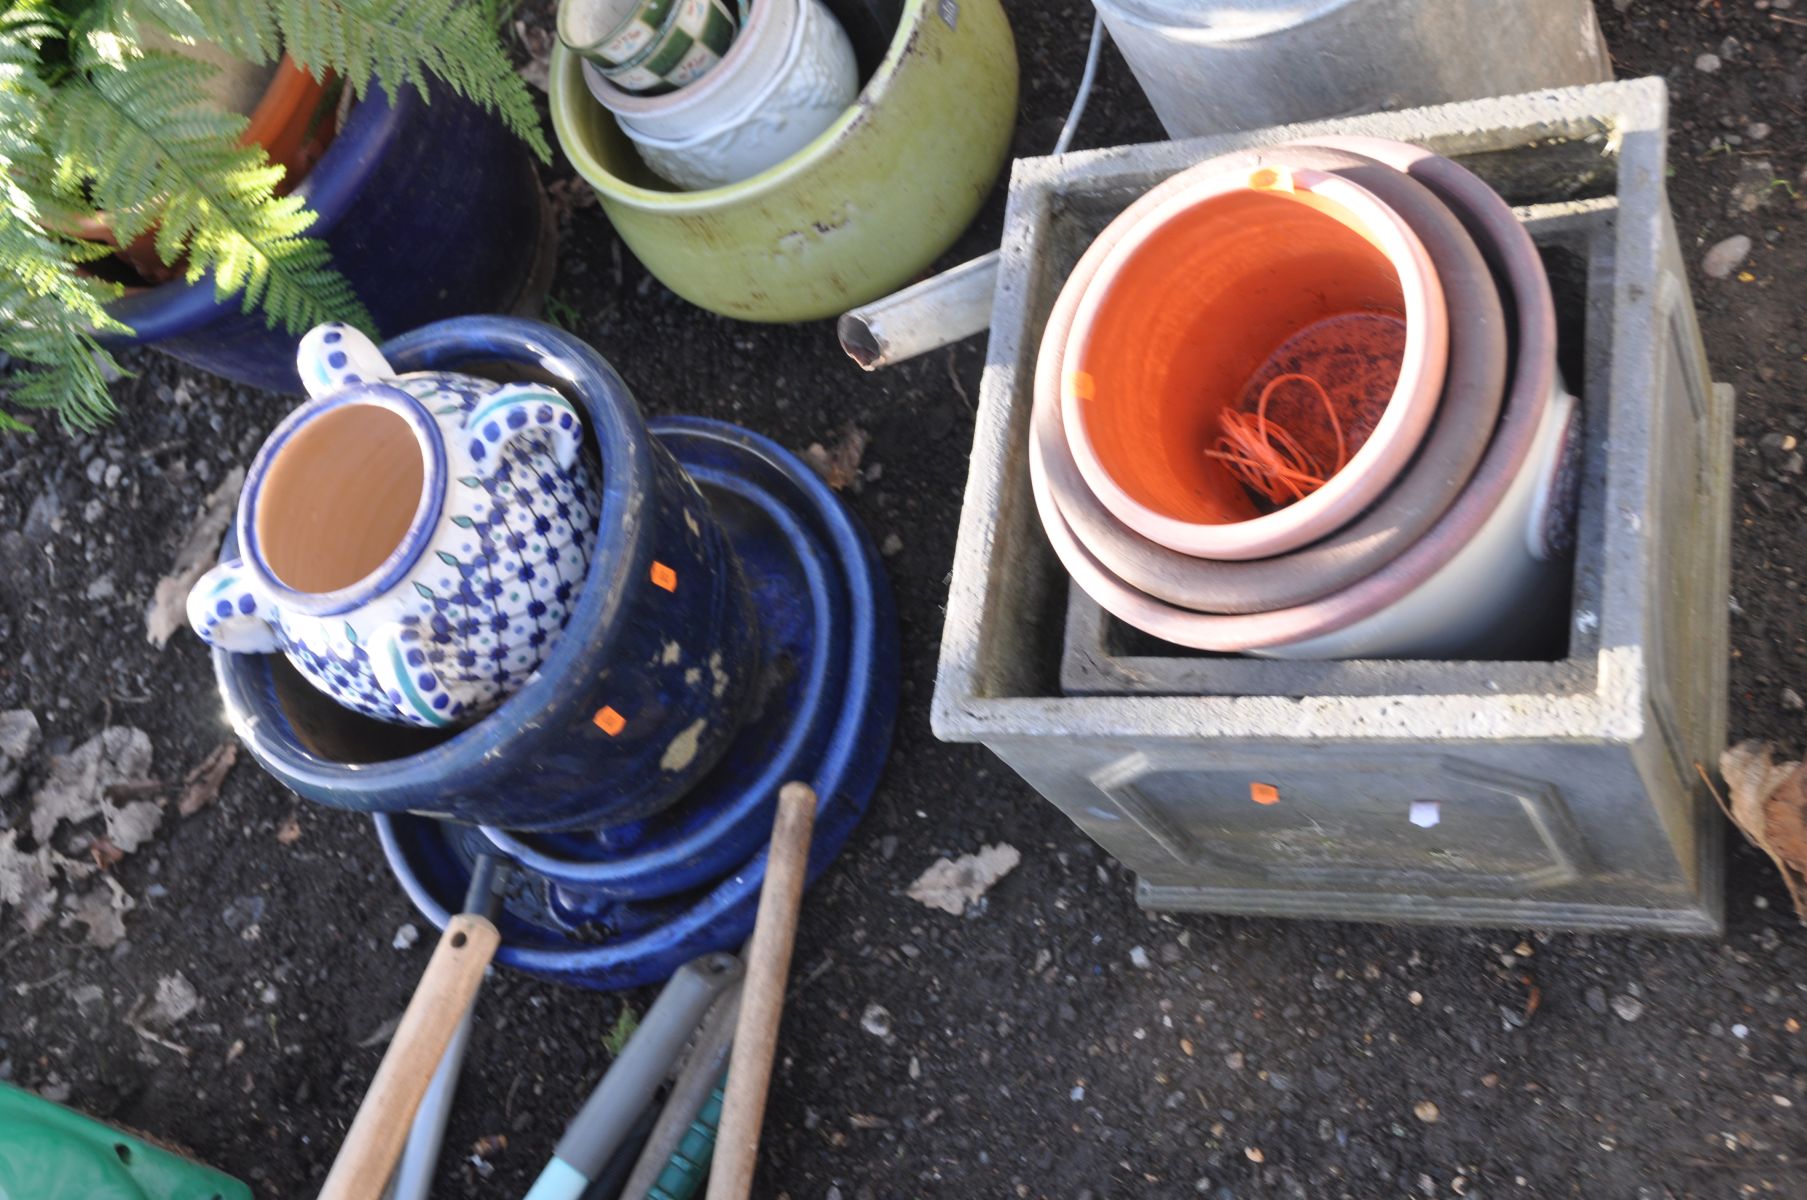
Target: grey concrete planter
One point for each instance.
(1564, 792)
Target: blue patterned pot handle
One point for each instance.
(333, 356)
(399, 662)
(225, 609)
(518, 410)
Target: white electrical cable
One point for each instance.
(1085, 88)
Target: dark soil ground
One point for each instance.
(1028, 1055)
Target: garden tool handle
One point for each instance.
(762, 995)
(368, 1155)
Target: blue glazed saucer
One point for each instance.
(627, 906)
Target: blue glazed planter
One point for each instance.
(628, 908)
(430, 210)
(818, 615)
(499, 495)
(645, 689)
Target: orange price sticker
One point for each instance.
(609, 721)
(1264, 793)
(665, 577)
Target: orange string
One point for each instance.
(1268, 460)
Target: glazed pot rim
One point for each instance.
(1374, 466)
(792, 51)
(707, 91)
(1478, 377)
(635, 11)
(1533, 379)
(421, 526)
(570, 98)
(622, 552)
(363, 141)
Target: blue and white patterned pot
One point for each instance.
(411, 542)
(657, 671)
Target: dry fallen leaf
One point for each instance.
(202, 786)
(289, 832)
(568, 196)
(25, 881)
(104, 853)
(175, 999)
(839, 465)
(131, 825)
(537, 42)
(951, 885)
(1769, 804)
(19, 735)
(79, 783)
(103, 911)
(168, 610)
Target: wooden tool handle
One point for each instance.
(762, 995)
(374, 1143)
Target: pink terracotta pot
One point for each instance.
(1473, 391)
(1457, 588)
(1200, 290)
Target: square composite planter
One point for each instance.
(1564, 792)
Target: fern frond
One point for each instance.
(50, 314)
(49, 311)
(151, 152)
(398, 43)
(245, 28)
(91, 120)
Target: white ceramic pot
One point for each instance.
(749, 66)
(785, 80)
(692, 41)
(1513, 564)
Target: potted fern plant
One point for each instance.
(425, 203)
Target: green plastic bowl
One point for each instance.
(48, 1152)
(856, 214)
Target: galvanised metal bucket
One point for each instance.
(1214, 66)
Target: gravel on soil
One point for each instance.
(1054, 1041)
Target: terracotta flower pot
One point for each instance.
(1232, 277)
(1473, 390)
(1492, 557)
(293, 121)
(403, 181)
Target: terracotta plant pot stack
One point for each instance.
(1303, 402)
